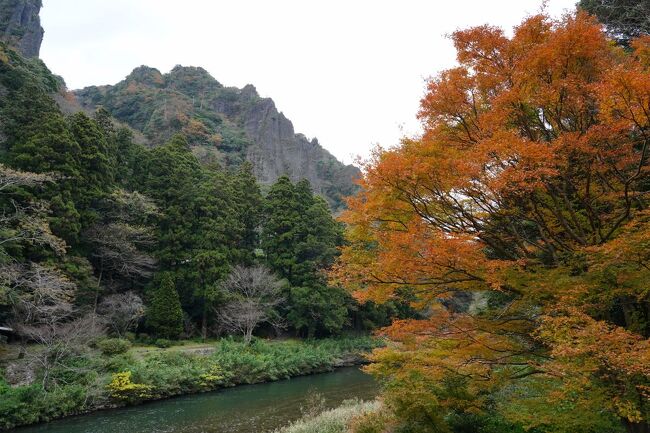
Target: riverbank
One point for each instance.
(337, 420)
(141, 375)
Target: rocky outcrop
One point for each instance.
(278, 150)
(20, 25)
(225, 123)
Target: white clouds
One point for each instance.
(349, 72)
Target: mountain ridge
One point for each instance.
(223, 124)
(226, 125)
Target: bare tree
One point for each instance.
(121, 311)
(61, 342)
(10, 178)
(25, 221)
(41, 297)
(252, 295)
(43, 312)
(119, 248)
(121, 240)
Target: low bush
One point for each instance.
(333, 421)
(31, 404)
(113, 346)
(163, 343)
(123, 388)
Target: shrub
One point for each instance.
(122, 388)
(370, 422)
(113, 346)
(333, 421)
(31, 404)
(163, 343)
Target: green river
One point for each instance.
(243, 409)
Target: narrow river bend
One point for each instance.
(244, 409)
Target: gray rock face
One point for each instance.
(20, 25)
(278, 150)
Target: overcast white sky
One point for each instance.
(350, 72)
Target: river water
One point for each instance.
(243, 409)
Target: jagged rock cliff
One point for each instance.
(20, 25)
(225, 124)
(222, 123)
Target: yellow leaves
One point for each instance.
(628, 410)
(633, 242)
(582, 347)
(572, 334)
(214, 376)
(122, 388)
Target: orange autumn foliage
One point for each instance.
(528, 189)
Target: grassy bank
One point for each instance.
(337, 420)
(146, 373)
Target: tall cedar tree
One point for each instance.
(249, 204)
(300, 239)
(164, 314)
(198, 231)
(624, 19)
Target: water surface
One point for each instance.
(244, 409)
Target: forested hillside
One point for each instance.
(225, 125)
(90, 208)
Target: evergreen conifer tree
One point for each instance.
(164, 315)
(249, 211)
(300, 239)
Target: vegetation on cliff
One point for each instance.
(222, 125)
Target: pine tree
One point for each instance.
(164, 315)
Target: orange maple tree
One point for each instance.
(528, 189)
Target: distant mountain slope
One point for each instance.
(223, 124)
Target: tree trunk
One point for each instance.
(633, 427)
(23, 348)
(204, 322)
(99, 282)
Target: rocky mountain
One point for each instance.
(20, 25)
(223, 124)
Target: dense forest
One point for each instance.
(103, 238)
